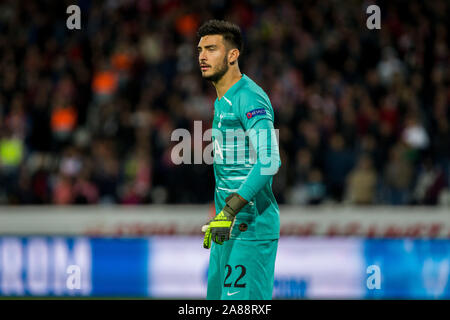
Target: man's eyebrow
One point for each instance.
(208, 46)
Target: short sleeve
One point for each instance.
(254, 107)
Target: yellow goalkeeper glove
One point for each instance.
(219, 228)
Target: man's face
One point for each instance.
(212, 57)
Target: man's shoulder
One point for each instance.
(250, 87)
(249, 91)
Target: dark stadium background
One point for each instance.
(86, 115)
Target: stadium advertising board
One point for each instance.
(176, 267)
(370, 222)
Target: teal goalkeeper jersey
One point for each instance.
(237, 152)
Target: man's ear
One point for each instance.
(233, 56)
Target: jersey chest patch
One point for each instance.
(229, 119)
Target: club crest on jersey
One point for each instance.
(255, 112)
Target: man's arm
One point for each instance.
(263, 138)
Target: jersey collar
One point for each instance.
(230, 92)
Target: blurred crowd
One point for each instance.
(86, 116)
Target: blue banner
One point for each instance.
(410, 269)
(176, 267)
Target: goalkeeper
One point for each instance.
(243, 236)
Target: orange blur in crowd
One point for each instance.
(64, 119)
(104, 82)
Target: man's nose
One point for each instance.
(202, 57)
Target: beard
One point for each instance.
(219, 71)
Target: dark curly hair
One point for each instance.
(231, 32)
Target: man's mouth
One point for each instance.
(203, 67)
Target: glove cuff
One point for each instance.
(234, 204)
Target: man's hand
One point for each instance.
(219, 228)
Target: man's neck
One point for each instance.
(227, 81)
